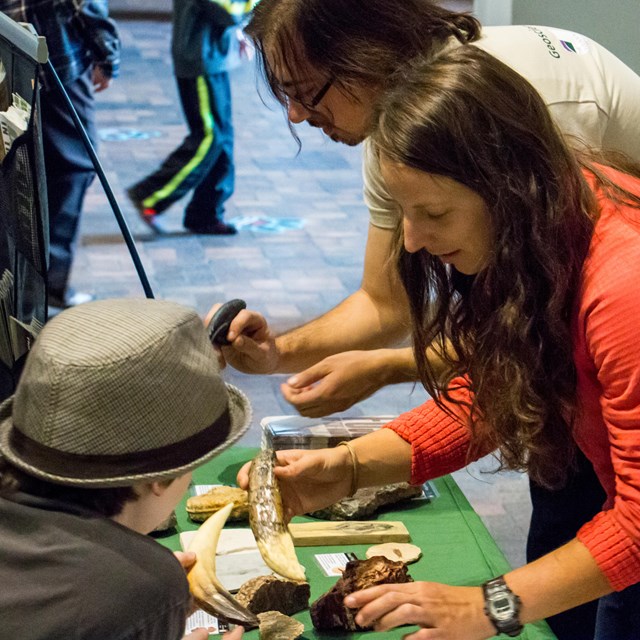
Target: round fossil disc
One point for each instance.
(398, 551)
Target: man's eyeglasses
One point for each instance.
(314, 101)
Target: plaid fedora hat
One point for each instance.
(119, 391)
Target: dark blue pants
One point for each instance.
(556, 518)
(69, 172)
(619, 615)
(204, 161)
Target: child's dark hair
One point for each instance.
(107, 502)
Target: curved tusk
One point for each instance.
(266, 517)
(206, 589)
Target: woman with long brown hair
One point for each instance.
(521, 261)
(328, 62)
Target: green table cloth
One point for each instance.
(456, 547)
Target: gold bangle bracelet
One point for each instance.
(354, 466)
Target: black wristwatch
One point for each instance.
(502, 606)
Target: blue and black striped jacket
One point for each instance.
(74, 44)
(202, 34)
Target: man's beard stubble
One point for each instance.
(351, 141)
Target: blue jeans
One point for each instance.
(203, 163)
(69, 172)
(619, 615)
(556, 518)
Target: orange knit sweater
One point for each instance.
(606, 332)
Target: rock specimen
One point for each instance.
(199, 508)
(399, 551)
(328, 612)
(269, 593)
(367, 501)
(276, 626)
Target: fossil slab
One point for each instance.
(367, 501)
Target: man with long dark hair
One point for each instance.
(328, 62)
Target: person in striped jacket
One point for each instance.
(205, 33)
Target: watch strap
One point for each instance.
(510, 626)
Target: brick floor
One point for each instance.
(291, 276)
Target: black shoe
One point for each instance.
(213, 229)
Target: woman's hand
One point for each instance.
(309, 480)
(443, 612)
(314, 479)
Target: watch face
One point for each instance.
(502, 607)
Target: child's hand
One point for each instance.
(186, 558)
(203, 634)
(199, 634)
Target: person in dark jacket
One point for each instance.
(97, 446)
(203, 38)
(84, 49)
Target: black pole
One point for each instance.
(122, 223)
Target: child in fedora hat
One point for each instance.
(118, 402)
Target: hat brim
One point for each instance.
(240, 420)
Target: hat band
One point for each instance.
(81, 466)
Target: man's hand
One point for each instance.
(309, 480)
(336, 383)
(443, 612)
(253, 346)
(100, 80)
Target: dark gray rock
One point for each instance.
(366, 502)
